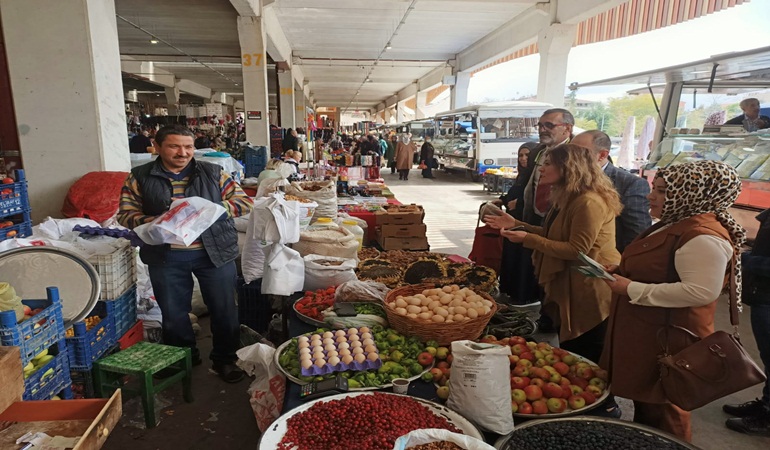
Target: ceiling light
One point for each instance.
(154, 41)
(388, 46)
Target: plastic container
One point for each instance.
(122, 312)
(117, 271)
(51, 379)
(38, 333)
(357, 231)
(86, 346)
(322, 223)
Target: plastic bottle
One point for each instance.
(357, 231)
(322, 223)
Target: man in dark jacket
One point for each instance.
(633, 190)
(140, 142)
(750, 119)
(754, 417)
(426, 157)
(148, 193)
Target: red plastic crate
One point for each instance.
(133, 335)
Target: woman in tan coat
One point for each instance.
(404, 154)
(582, 220)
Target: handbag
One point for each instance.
(711, 367)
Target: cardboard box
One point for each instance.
(12, 375)
(400, 215)
(402, 243)
(403, 231)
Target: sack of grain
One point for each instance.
(338, 242)
(322, 192)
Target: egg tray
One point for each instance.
(315, 371)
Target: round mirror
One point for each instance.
(30, 270)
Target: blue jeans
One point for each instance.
(173, 286)
(760, 325)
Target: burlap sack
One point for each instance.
(322, 192)
(337, 242)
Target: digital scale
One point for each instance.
(317, 389)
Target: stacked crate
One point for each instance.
(40, 339)
(401, 227)
(254, 160)
(15, 219)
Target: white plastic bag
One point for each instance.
(275, 219)
(270, 186)
(182, 224)
(428, 435)
(268, 388)
(284, 272)
(320, 275)
(481, 385)
(252, 255)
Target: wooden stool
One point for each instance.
(142, 360)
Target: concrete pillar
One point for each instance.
(389, 115)
(64, 67)
(554, 44)
(400, 113)
(422, 101)
(172, 99)
(299, 105)
(459, 91)
(251, 35)
(286, 98)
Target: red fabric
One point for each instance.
(94, 196)
(543, 197)
(251, 192)
(487, 248)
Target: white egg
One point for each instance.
(304, 357)
(331, 353)
(302, 345)
(328, 341)
(303, 339)
(330, 348)
(319, 355)
(372, 356)
(366, 336)
(318, 348)
(352, 331)
(339, 333)
(355, 344)
(354, 338)
(315, 336)
(306, 364)
(347, 359)
(360, 358)
(368, 342)
(343, 346)
(363, 330)
(341, 339)
(370, 349)
(334, 360)
(358, 351)
(304, 350)
(315, 343)
(344, 352)
(320, 362)
(328, 334)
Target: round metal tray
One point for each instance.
(502, 442)
(282, 347)
(306, 319)
(273, 435)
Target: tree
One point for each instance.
(586, 124)
(620, 109)
(598, 114)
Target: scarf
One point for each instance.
(703, 187)
(405, 139)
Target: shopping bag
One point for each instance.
(267, 391)
(183, 223)
(284, 272)
(275, 219)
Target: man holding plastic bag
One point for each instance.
(147, 195)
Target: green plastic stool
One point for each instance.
(142, 360)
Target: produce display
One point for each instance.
(37, 363)
(294, 198)
(364, 422)
(339, 351)
(316, 308)
(396, 268)
(312, 304)
(447, 304)
(90, 323)
(545, 380)
(400, 356)
(547, 435)
(368, 253)
(512, 322)
(439, 445)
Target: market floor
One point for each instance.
(221, 416)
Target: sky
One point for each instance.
(739, 28)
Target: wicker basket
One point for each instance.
(443, 333)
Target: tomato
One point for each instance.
(7, 180)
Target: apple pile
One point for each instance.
(439, 374)
(37, 363)
(546, 379)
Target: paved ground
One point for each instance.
(221, 415)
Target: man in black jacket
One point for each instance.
(148, 193)
(750, 119)
(754, 417)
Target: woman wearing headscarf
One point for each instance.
(426, 158)
(290, 140)
(581, 220)
(672, 274)
(390, 153)
(404, 153)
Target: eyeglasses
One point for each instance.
(549, 125)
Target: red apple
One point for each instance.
(544, 346)
(539, 372)
(504, 341)
(437, 373)
(585, 372)
(552, 390)
(537, 382)
(520, 371)
(27, 310)
(525, 408)
(578, 381)
(442, 365)
(588, 397)
(446, 371)
(540, 407)
(556, 405)
(564, 382)
(561, 367)
(552, 359)
(576, 402)
(513, 359)
(518, 349)
(594, 390)
(518, 340)
(425, 359)
(576, 390)
(518, 396)
(533, 392)
(519, 382)
(528, 356)
(601, 373)
(488, 339)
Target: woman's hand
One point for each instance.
(620, 285)
(517, 237)
(501, 221)
(512, 205)
(611, 268)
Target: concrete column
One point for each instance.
(299, 106)
(64, 67)
(172, 99)
(388, 115)
(422, 101)
(400, 113)
(459, 91)
(286, 98)
(554, 44)
(251, 34)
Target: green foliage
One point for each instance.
(586, 124)
(639, 106)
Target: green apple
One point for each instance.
(443, 392)
(518, 396)
(431, 350)
(442, 352)
(576, 402)
(570, 359)
(556, 404)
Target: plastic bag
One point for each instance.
(9, 301)
(275, 219)
(322, 272)
(284, 272)
(252, 255)
(182, 224)
(357, 321)
(268, 388)
(481, 385)
(361, 291)
(428, 435)
(270, 186)
(96, 195)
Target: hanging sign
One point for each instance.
(254, 115)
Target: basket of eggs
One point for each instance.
(443, 314)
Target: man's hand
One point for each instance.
(501, 221)
(517, 237)
(512, 205)
(620, 285)
(611, 268)
(497, 202)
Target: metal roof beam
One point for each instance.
(194, 88)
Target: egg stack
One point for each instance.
(337, 351)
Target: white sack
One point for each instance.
(284, 272)
(428, 435)
(274, 219)
(182, 224)
(321, 276)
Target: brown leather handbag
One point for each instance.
(711, 367)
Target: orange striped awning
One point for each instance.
(631, 18)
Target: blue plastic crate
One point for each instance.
(22, 226)
(86, 346)
(38, 333)
(122, 312)
(254, 160)
(51, 379)
(14, 198)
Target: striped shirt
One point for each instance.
(131, 215)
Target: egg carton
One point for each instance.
(367, 364)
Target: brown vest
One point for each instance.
(636, 334)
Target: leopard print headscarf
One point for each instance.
(705, 187)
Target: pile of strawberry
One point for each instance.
(363, 422)
(314, 303)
